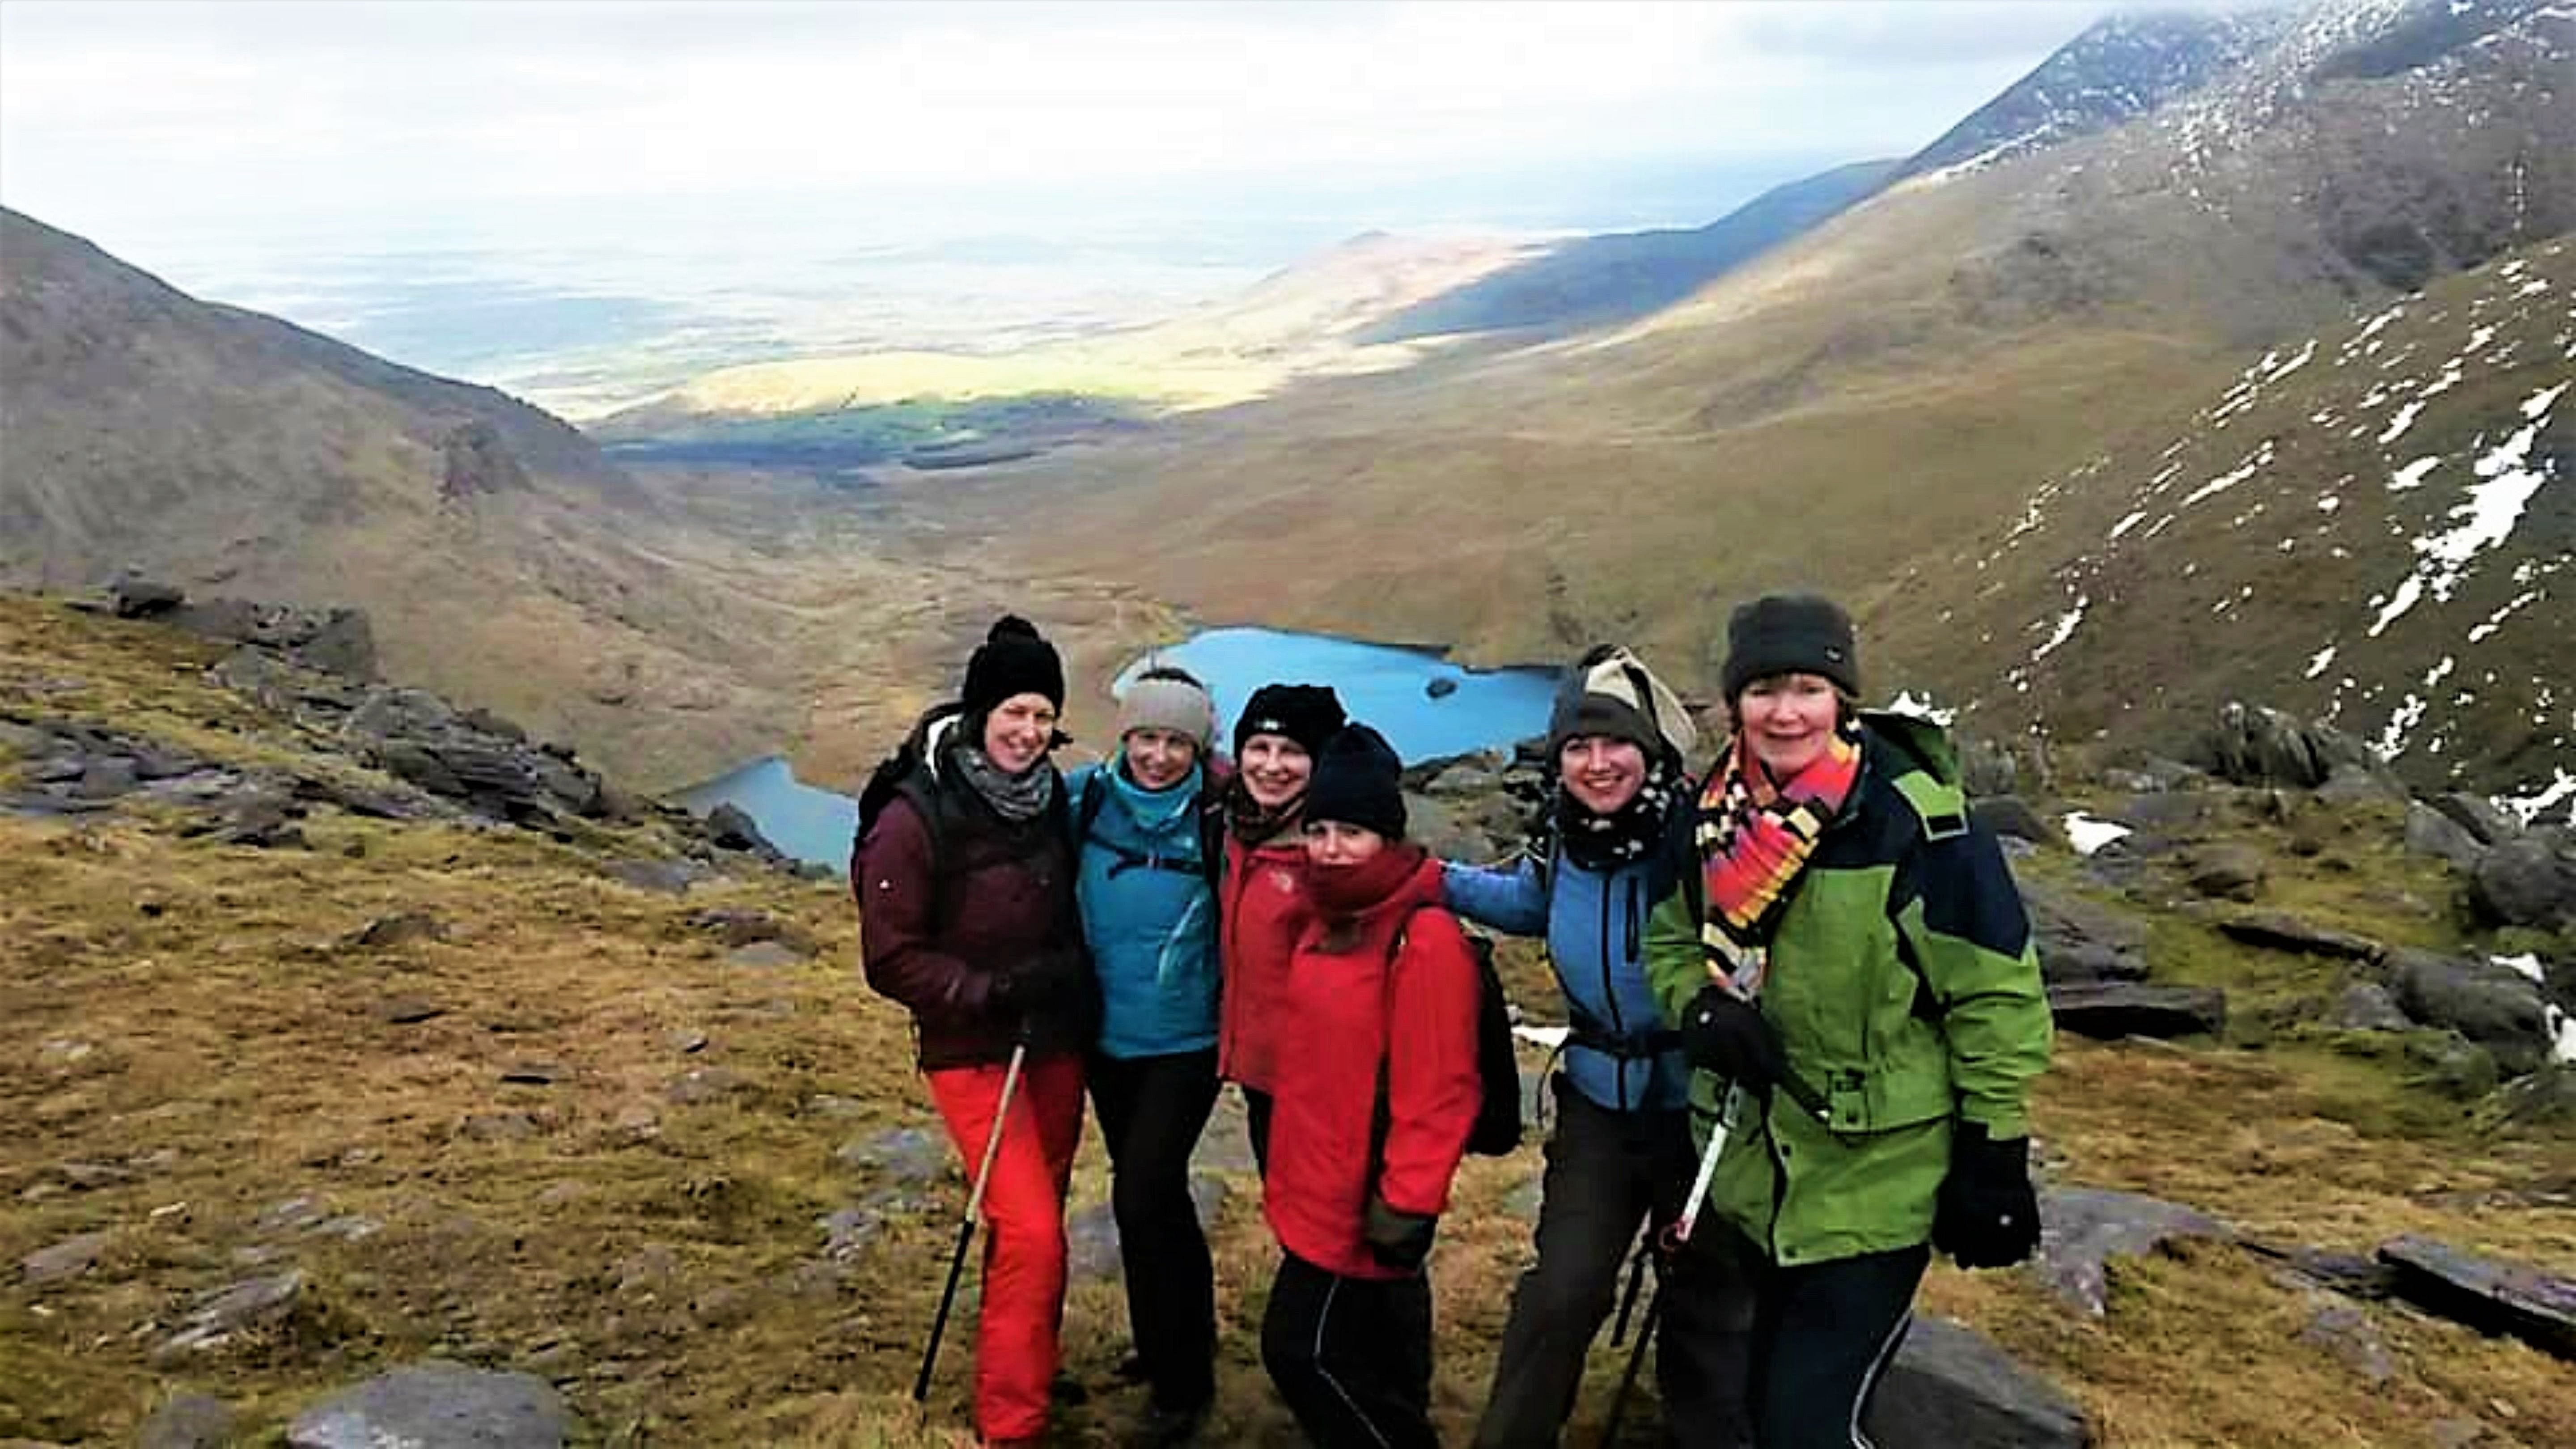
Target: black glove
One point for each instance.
(1045, 986)
(1726, 1034)
(1398, 1239)
(1986, 1216)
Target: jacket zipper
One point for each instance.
(1610, 998)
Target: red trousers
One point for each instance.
(1016, 1348)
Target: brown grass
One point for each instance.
(660, 1257)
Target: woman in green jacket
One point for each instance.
(1851, 968)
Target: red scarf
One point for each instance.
(1755, 835)
(1341, 892)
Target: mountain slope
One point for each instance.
(495, 550)
(1595, 281)
(1878, 394)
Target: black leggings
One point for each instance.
(1152, 1110)
(1352, 1356)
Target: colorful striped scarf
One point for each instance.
(1754, 836)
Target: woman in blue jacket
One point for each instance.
(1149, 913)
(1614, 846)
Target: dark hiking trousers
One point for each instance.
(1608, 1173)
(1823, 1333)
(1256, 1124)
(1152, 1110)
(1351, 1356)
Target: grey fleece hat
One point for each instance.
(1165, 703)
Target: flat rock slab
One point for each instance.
(2083, 1228)
(436, 1405)
(1949, 1386)
(67, 1259)
(2493, 1295)
(190, 1421)
(2109, 1010)
(2281, 931)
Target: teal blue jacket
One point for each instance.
(1148, 913)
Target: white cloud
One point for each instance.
(155, 117)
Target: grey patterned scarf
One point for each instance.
(1016, 798)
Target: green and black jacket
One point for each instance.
(1905, 989)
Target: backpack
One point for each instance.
(906, 775)
(1210, 866)
(1497, 1129)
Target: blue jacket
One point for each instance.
(1151, 926)
(1596, 933)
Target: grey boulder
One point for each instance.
(1950, 1386)
(436, 1405)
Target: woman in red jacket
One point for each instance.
(1377, 1091)
(965, 883)
(1261, 902)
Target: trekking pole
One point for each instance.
(966, 1229)
(1645, 1332)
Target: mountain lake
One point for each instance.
(1387, 686)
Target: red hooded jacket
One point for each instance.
(1261, 908)
(1333, 1034)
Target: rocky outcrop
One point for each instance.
(2110, 1010)
(436, 1404)
(2494, 1006)
(2081, 942)
(1950, 1386)
(2529, 880)
(2253, 745)
(2082, 1229)
(2490, 1294)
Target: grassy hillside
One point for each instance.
(566, 1135)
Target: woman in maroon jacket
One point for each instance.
(1377, 1091)
(965, 888)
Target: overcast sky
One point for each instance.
(143, 123)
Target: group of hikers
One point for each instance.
(1800, 989)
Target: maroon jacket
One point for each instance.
(1005, 901)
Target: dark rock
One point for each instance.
(407, 761)
(2081, 941)
(1987, 768)
(2251, 745)
(235, 620)
(391, 714)
(2229, 871)
(2349, 784)
(536, 1074)
(262, 822)
(2011, 817)
(1440, 687)
(143, 598)
(2281, 931)
(2479, 816)
(1950, 1387)
(910, 1156)
(2109, 1010)
(107, 779)
(735, 926)
(2430, 832)
(2528, 881)
(2082, 1229)
(1419, 775)
(2344, 1333)
(226, 1311)
(399, 929)
(2350, 1274)
(436, 1404)
(407, 1011)
(2494, 1006)
(500, 1127)
(1091, 1235)
(484, 721)
(189, 1421)
(2167, 814)
(2492, 1295)
(763, 955)
(345, 645)
(2452, 1064)
(732, 828)
(669, 877)
(2366, 1006)
(2545, 1098)
(67, 1259)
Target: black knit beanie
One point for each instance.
(1790, 634)
(1358, 781)
(1306, 713)
(1013, 659)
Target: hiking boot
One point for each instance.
(1161, 1427)
(1068, 1391)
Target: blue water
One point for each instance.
(1380, 684)
(809, 824)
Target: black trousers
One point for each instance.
(1256, 1124)
(1823, 1334)
(1607, 1174)
(1352, 1356)
(1151, 1111)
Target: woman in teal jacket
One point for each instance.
(1851, 970)
(1146, 888)
(1616, 840)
